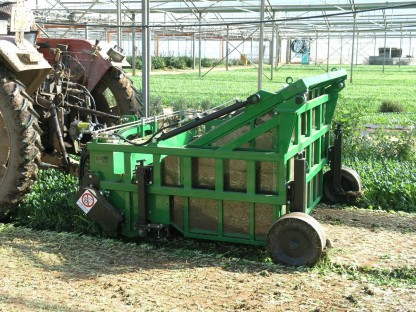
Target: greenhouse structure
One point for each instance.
(270, 32)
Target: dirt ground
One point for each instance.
(370, 267)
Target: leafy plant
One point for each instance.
(156, 105)
(206, 62)
(380, 145)
(138, 61)
(188, 61)
(175, 62)
(388, 106)
(388, 184)
(180, 105)
(51, 205)
(158, 62)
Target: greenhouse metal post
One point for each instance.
(145, 56)
(260, 69)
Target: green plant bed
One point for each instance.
(363, 97)
(51, 205)
(388, 184)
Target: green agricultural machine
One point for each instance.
(249, 172)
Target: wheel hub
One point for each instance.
(293, 244)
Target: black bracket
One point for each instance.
(298, 187)
(91, 179)
(336, 158)
(151, 227)
(143, 179)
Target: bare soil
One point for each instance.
(370, 267)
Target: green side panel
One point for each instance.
(118, 163)
(159, 209)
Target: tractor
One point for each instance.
(52, 91)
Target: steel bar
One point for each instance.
(145, 57)
(198, 122)
(119, 33)
(327, 54)
(133, 39)
(356, 50)
(336, 163)
(401, 39)
(272, 45)
(193, 50)
(352, 49)
(261, 39)
(384, 47)
(227, 48)
(200, 45)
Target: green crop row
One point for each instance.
(363, 97)
(51, 205)
(181, 62)
(388, 185)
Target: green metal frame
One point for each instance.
(297, 121)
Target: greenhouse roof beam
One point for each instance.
(227, 7)
(241, 16)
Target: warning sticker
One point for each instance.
(86, 201)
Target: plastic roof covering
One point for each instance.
(291, 18)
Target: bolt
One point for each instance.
(299, 99)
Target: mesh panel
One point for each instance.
(236, 218)
(203, 214)
(177, 210)
(235, 175)
(266, 177)
(171, 171)
(263, 219)
(203, 173)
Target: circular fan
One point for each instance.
(299, 46)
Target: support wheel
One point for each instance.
(350, 184)
(296, 239)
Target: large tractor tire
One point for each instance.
(115, 94)
(19, 143)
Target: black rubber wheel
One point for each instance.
(350, 184)
(115, 94)
(296, 239)
(19, 143)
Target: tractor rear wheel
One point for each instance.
(296, 239)
(115, 94)
(19, 143)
